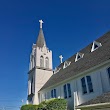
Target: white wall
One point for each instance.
(41, 77)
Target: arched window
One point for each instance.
(47, 62)
(41, 61)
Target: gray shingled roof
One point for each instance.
(104, 98)
(41, 40)
(89, 60)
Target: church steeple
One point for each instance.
(40, 67)
(41, 40)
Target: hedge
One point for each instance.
(52, 104)
(29, 107)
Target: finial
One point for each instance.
(41, 22)
(61, 58)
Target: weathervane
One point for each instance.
(41, 22)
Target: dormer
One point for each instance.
(95, 46)
(79, 56)
(57, 70)
(66, 64)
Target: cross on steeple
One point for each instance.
(61, 58)
(41, 22)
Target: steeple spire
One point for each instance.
(41, 40)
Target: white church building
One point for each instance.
(83, 79)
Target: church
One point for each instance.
(83, 79)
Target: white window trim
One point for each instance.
(80, 54)
(95, 43)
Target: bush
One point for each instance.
(29, 107)
(52, 104)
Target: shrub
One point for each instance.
(29, 107)
(52, 104)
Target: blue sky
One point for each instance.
(69, 25)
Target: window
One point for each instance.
(47, 62)
(86, 85)
(41, 61)
(89, 82)
(53, 93)
(95, 45)
(67, 90)
(79, 56)
(30, 99)
(84, 88)
(108, 70)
